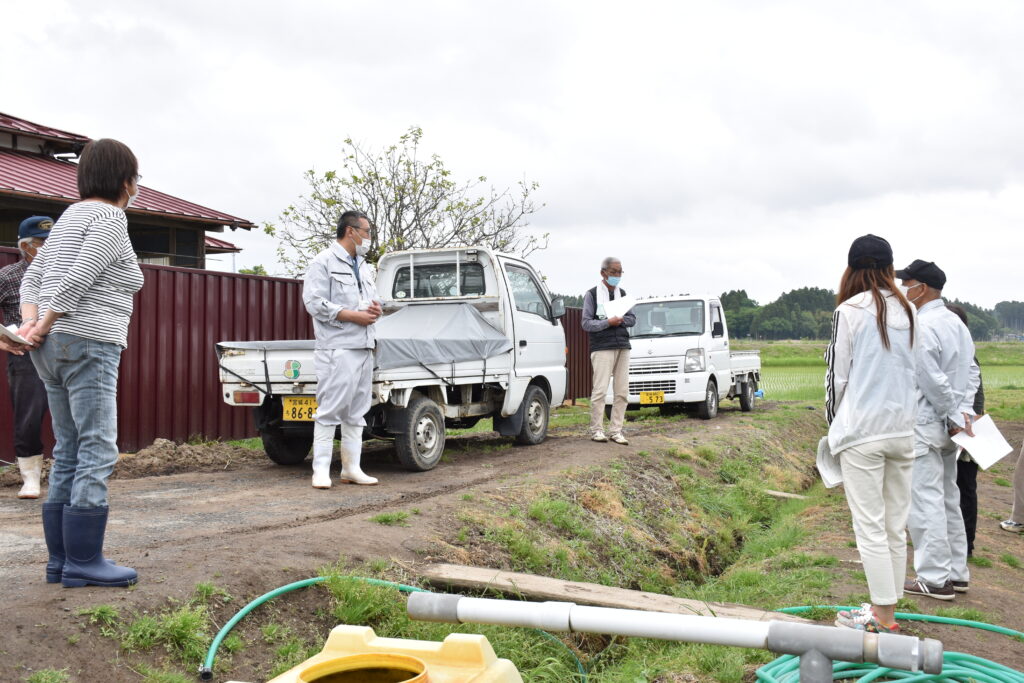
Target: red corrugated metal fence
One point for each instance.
(578, 358)
(168, 386)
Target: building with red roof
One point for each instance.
(38, 177)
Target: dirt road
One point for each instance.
(249, 525)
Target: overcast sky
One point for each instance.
(711, 146)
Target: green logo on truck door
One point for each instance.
(291, 369)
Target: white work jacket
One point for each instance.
(870, 391)
(946, 380)
(334, 282)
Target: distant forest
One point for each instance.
(806, 313)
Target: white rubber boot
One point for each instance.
(323, 451)
(351, 452)
(31, 472)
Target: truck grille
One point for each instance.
(666, 385)
(654, 368)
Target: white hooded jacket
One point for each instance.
(870, 391)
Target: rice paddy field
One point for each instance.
(795, 371)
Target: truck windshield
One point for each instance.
(668, 318)
(438, 280)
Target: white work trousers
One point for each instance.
(876, 477)
(936, 523)
(344, 382)
(610, 364)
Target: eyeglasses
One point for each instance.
(138, 178)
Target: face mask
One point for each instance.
(131, 199)
(614, 280)
(906, 291)
(363, 248)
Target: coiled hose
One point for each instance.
(956, 665)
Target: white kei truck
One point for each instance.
(680, 357)
(467, 333)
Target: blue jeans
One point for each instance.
(81, 383)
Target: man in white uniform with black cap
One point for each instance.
(946, 385)
(339, 292)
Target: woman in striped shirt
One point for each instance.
(76, 305)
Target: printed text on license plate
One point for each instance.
(299, 408)
(649, 397)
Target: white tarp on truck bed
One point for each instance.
(414, 335)
(436, 333)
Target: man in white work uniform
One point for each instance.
(339, 292)
(945, 393)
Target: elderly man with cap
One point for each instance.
(28, 395)
(946, 385)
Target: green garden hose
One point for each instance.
(956, 666)
(206, 670)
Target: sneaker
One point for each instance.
(619, 439)
(919, 587)
(1011, 526)
(960, 586)
(864, 619)
(599, 436)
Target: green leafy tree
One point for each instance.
(981, 322)
(414, 202)
(1011, 315)
(258, 269)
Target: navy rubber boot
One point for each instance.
(53, 531)
(84, 564)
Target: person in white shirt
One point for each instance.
(946, 388)
(870, 405)
(340, 294)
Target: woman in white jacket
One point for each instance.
(870, 406)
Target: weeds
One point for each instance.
(966, 613)
(391, 518)
(1010, 560)
(49, 676)
(979, 561)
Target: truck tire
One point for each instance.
(536, 412)
(708, 408)
(747, 395)
(420, 444)
(287, 446)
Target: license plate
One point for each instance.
(299, 408)
(651, 397)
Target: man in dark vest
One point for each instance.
(609, 352)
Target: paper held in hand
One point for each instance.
(11, 332)
(987, 446)
(619, 307)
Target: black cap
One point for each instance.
(869, 251)
(923, 271)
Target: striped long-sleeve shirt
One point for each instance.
(88, 271)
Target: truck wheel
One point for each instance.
(747, 395)
(287, 446)
(420, 444)
(607, 411)
(536, 411)
(708, 408)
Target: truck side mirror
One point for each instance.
(716, 329)
(557, 308)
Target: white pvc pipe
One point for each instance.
(688, 628)
(567, 616)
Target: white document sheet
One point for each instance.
(619, 307)
(11, 332)
(987, 446)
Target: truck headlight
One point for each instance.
(694, 361)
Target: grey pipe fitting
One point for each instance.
(848, 645)
(439, 607)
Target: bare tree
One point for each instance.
(414, 204)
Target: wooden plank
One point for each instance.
(783, 494)
(544, 588)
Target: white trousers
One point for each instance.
(876, 478)
(936, 523)
(610, 364)
(344, 383)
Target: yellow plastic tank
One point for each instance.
(354, 654)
